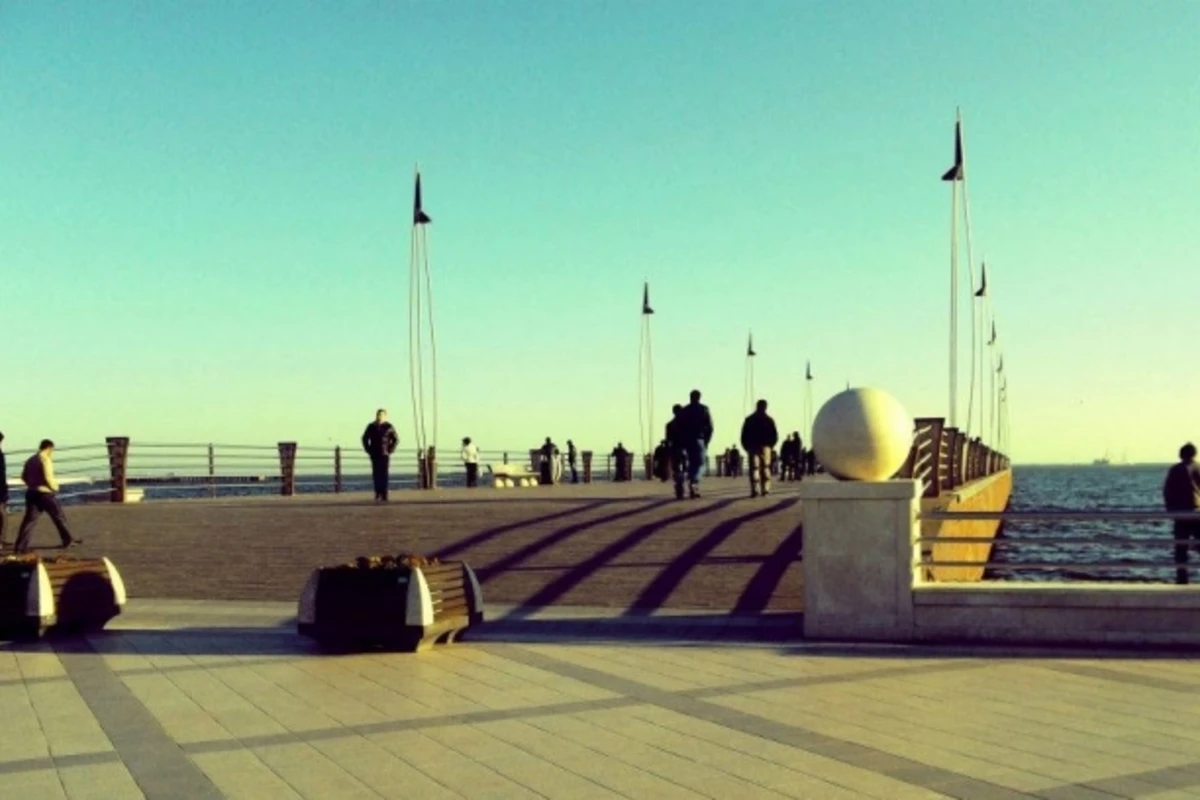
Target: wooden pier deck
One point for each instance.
(630, 546)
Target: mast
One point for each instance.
(748, 397)
(646, 376)
(420, 313)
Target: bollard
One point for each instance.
(287, 468)
(212, 471)
(648, 460)
(337, 469)
(587, 466)
(431, 467)
(118, 462)
(422, 472)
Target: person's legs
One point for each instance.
(1182, 535)
(764, 466)
(472, 475)
(695, 456)
(3, 520)
(32, 512)
(51, 506)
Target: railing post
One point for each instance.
(118, 463)
(212, 472)
(287, 468)
(431, 467)
(951, 442)
(587, 465)
(337, 469)
(648, 461)
(506, 457)
(422, 471)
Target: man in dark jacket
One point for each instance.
(696, 431)
(677, 451)
(3, 493)
(380, 440)
(1181, 492)
(759, 438)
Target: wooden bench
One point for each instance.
(397, 607)
(58, 595)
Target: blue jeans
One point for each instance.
(695, 456)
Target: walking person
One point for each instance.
(676, 450)
(3, 493)
(696, 430)
(759, 437)
(40, 489)
(470, 457)
(380, 440)
(1181, 492)
(572, 456)
(549, 456)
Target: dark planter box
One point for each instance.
(397, 607)
(61, 595)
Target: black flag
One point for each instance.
(750, 346)
(993, 341)
(983, 283)
(955, 173)
(646, 309)
(419, 215)
(808, 370)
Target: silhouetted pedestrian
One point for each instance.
(696, 430)
(759, 437)
(677, 448)
(470, 457)
(40, 489)
(380, 440)
(623, 460)
(572, 457)
(3, 493)
(1181, 492)
(549, 454)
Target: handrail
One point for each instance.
(1124, 515)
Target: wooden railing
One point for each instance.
(944, 458)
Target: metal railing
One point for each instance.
(90, 472)
(1142, 554)
(944, 459)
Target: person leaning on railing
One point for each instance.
(470, 457)
(41, 486)
(1181, 492)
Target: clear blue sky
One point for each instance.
(204, 213)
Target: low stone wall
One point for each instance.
(1078, 613)
(986, 494)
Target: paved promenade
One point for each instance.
(626, 545)
(205, 700)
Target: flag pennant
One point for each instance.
(646, 309)
(750, 346)
(955, 173)
(808, 370)
(1001, 367)
(982, 282)
(419, 215)
(993, 340)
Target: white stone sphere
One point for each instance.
(498, 483)
(862, 435)
(524, 483)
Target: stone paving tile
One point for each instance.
(179, 712)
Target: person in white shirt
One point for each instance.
(40, 488)
(470, 457)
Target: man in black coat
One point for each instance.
(759, 438)
(3, 492)
(695, 428)
(380, 440)
(1181, 492)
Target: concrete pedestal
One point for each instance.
(860, 558)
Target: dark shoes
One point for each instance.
(72, 543)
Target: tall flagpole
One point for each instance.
(808, 402)
(976, 367)
(748, 397)
(646, 376)
(954, 175)
(420, 314)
